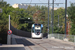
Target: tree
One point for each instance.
(71, 12)
(3, 22)
(61, 13)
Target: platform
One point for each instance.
(12, 47)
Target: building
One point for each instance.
(24, 6)
(55, 8)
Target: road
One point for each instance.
(42, 44)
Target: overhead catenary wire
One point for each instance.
(54, 0)
(30, 1)
(41, 1)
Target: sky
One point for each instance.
(12, 2)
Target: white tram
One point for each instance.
(36, 31)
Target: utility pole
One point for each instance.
(48, 19)
(9, 36)
(58, 20)
(52, 14)
(9, 22)
(65, 15)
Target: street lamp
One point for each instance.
(58, 20)
(67, 15)
(28, 18)
(67, 24)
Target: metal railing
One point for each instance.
(70, 38)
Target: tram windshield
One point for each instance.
(37, 28)
(37, 31)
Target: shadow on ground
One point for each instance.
(24, 42)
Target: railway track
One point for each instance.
(45, 42)
(37, 44)
(42, 44)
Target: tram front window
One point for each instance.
(37, 31)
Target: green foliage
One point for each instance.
(59, 12)
(71, 12)
(3, 22)
(16, 14)
(43, 17)
(19, 18)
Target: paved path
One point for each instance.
(42, 44)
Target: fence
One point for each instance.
(71, 38)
